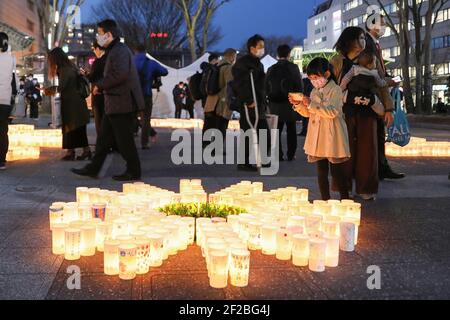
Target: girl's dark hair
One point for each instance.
(57, 59)
(319, 66)
(346, 41)
(4, 42)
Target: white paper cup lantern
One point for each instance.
(82, 195)
(239, 268)
(330, 226)
(84, 211)
(356, 222)
(111, 257)
(332, 253)
(58, 238)
(88, 240)
(269, 239)
(103, 232)
(72, 239)
(142, 255)
(127, 261)
(190, 225)
(354, 210)
(70, 212)
(317, 255)
(296, 221)
(56, 215)
(284, 244)
(347, 238)
(233, 220)
(218, 266)
(156, 250)
(165, 234)
(99, 211)
(313, 222)
(174, 239)
(254, 231)
(120, 227)
(300, 250)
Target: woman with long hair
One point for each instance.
(360, 118)
(74, 112)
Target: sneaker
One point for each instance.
(368, 197)
(2, 166)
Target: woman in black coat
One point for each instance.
(74, 112)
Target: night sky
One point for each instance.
(242, 18)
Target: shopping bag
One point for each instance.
(399, 132)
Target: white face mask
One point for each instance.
(319, 83)
(102, 39)
(260, 53)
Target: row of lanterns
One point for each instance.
(419, 147)
(134, 237)
(187, 124)
(25, 142)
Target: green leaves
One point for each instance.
(203, 210)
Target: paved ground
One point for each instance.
(405, 233)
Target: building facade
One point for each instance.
(354, 13)
(20, 20)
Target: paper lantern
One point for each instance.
(58, 238)
(218, 266)
(239, 267)
(332, 251)
(99, 211)
(347, 238)
(330, 226)
(56, 215)
(173, 240)
(103, 232)
(354, 211)
(156, 250)
(190, 225)
(125, 239)
(284, 244)
(88, 240)
(138, 234)
(313, 222)
(254, 231)
(84, 211)
(70, 212)
(165, 234)
(142, 255)
(269, 239)
(72, 238)
(120, 227)
(356, 222)
(111, 257)
(127, 261)
(296, 221)
(317, 255)
(300, 250)
(82, 194)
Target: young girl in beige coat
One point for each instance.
(327, 138)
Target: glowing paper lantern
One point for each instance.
(300, 250)
(111, 257)
(269, 239)
(127, 261)
(72, 241)
(317, 255)
(82, 194)
(165, 234)
(284, 244)
(56, 215)
(190, 225)
(156, 250)
(58, 238)
(142, 255)
(218, 266)
(239, 268)
(88, 243)
(120, 227)
(103, 232)
(254, 231)
(99, 211)
(347, 239)
(332, 251)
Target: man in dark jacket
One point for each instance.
(149, 70)
(96, 74)
(178, 96)
(246, 65)
(282, 78)
(123, 99)
(375, 30)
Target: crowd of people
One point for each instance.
(344, 104)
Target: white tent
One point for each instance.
(268, 61)
(163, 105)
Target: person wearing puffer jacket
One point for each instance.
(6, 91)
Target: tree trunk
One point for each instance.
(192, 45)
(418, 85)
(428, 77)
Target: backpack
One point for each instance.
(232, 99)
(213, 80)
(279, 83)
(194, 86)
(83, 86)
